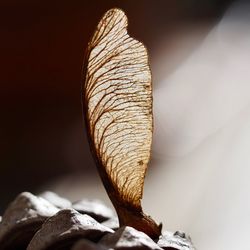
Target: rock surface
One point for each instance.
(56, 200)
(112, 223)
(63, 229)
(88, 245)
(94, 208)
(22, 218)
(128, 238)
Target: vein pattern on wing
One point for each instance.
(118, 95)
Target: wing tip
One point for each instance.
(115, 13)
(116, 10)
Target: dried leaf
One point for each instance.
(117, 102)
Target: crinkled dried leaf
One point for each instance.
(117, 101)
(178, 241)
(22, 218)
(63, 229)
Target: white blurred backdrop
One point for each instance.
(201, 146)
(202, 138)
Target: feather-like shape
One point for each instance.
(117, 101)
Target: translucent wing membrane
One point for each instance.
(117, 104)
(119, 99)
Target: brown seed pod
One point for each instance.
(117, 105)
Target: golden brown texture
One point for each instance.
(117, 101)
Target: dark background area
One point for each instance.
(42, 49)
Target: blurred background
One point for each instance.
(199, 52)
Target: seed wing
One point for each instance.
(117, 100)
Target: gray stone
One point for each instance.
(56, 200)
(22, 218)
(128, 238)
(178, 241)
(88, 245)
(94, 208)
(112, 223)
(62, 230)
